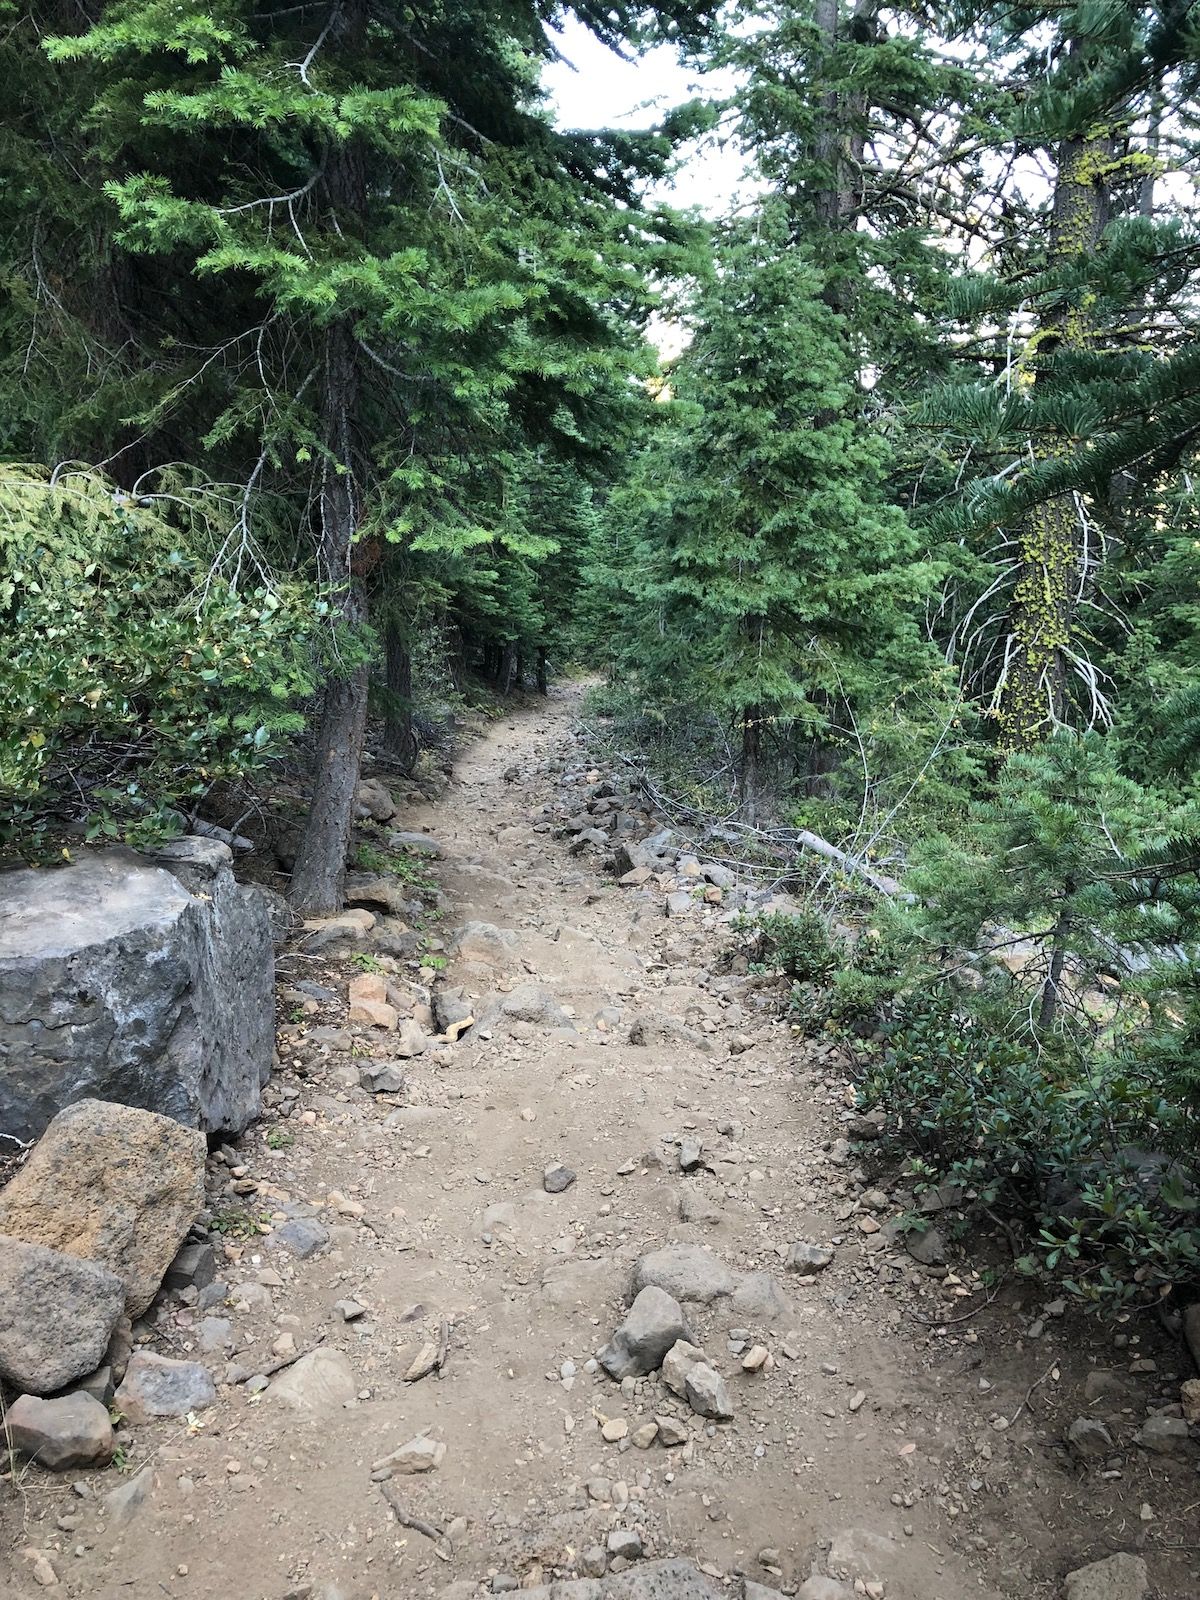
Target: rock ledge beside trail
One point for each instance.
(146, 981)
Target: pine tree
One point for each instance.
(777, 578)
(399, 278)
(1075, 389)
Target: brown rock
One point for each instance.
(71, 1430)
(110, 1184)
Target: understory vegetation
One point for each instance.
(331, 360)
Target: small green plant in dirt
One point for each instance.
(234, 1223)
(396, 864)
(366, 962)
(280, 1139)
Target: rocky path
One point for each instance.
(484, 1222)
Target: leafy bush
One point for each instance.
(1072, 1145)
(797, 944)
(136, 675)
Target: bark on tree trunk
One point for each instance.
(1058, 957)
(1033, 694)
(320, 870)
(399, 739)
(319, 874)
(543, 676)
(506, 669)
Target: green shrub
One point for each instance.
(1079, 1144)
(797, 944)
(136, 674)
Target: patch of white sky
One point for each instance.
(591, 86)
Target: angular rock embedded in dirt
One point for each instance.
(369, 1003)
(57, 1314)
(678, 903)
(653, 1324)
(925, 1245)
(805, 1257)
(111, 1184)
(861, 1553)
(627, 858)
(677, 1363)
(759, 1297)
(194, 1267)
(819, 1588)
(157, 1386)
(1119, 1577)
(381, 1077)
(72, 1430)
(123, 1503)
(417, 844)
(671, 1432)
(706, 1392)
(1163, 1436)
(322, 1380)
(686, 1271)
(302, 1236)
(451, 1008)
(147, 981)
(1088, 1439)
(654, 1580)
(485, 944)
(382, 891)
(624, 1542)
(411, 1040)
(530, 1002)
(697, 1207)
(659, 1029)
(373, 800)
(421, 1454)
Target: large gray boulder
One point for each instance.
(147, 981)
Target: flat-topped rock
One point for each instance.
(142, 980)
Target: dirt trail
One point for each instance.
(437, 1215)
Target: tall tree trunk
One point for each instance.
(1058, 959)
(1034, 693)
(543, 679)
(506, 669)
(320, 870)
(399, 740)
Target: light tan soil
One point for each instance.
(873, 1415)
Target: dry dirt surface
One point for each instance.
(901, 1433)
